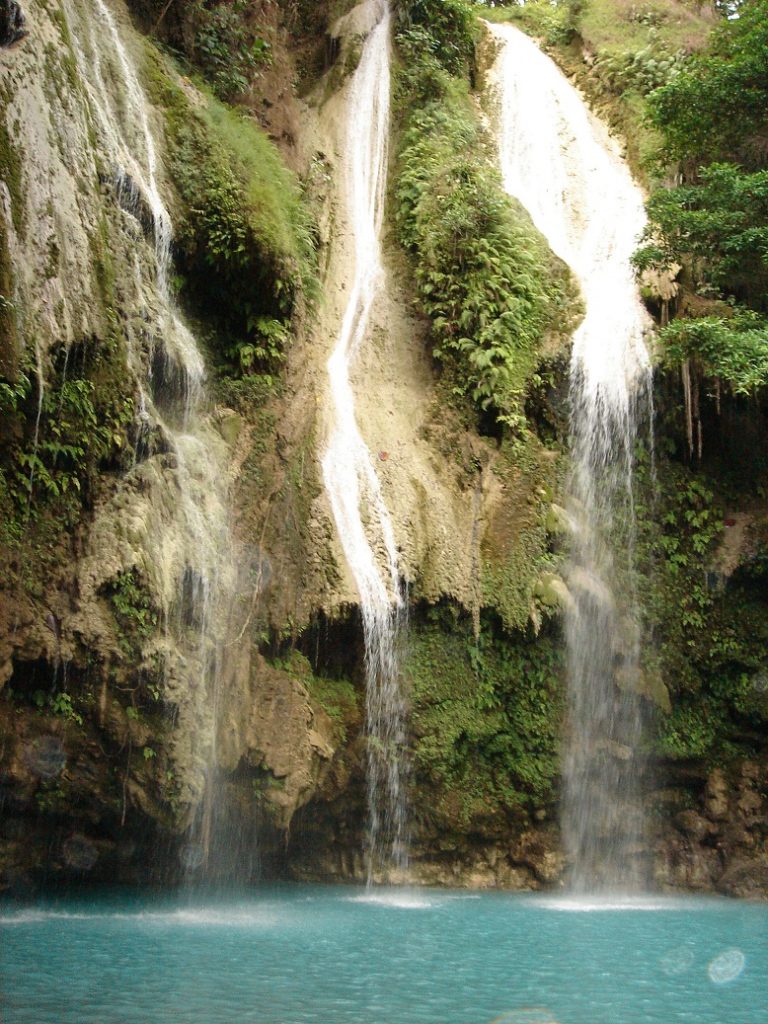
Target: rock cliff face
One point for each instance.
(117, 737)
(95, 665)
(720, 842)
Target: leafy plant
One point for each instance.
(57, 703)
(733, 350)
(486, 714)
(716, 106)
(63, 435)
(640, 70)
(135, 613)
(226, 47)
(718, 227)
(484, 276)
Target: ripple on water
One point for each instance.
(414, 956)
(526, 1015)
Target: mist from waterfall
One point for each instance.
(189, 554)
(353, 488)
(560, 162)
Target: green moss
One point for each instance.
(9, 339)
(337, 697)
(516, 550)
(486, 719)
(611, 25)
(244, 237)
(61, 75)
(340, 701)
(11, 172)
(103, 264)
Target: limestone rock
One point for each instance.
(747, 879)
(552, 591)
(646, 683)
(716, 795)
(694, 825)
(230, 424)
(288, 737)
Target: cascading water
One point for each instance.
(559, 161)
(188, 555)
(351, 482)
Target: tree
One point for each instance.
(717, 106)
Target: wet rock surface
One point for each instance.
(12, 23)
(721, 844)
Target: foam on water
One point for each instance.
(399, 899)
(203, 917)
(603, 904)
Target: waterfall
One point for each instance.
(187, 549)
(560, 162)
(353, 488)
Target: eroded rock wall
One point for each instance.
(102, 705)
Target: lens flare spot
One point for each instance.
(677, 961)
(46, 756)
(726, 966)
(80, 853)
(191, 856)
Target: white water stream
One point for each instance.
(560, 162)
(353, 488)
(188, 552)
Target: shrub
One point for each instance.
(484, 276)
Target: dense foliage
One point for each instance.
(719, 225)
(484, 275)
(67, 425)
(713, 116)
(733, 349)
(446, 29)
(486, 717)
(226, 46)
(706, 632)
(717, 105)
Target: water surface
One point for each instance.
(295, 955)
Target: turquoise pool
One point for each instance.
(330, 955)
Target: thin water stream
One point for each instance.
(560, 162)
(353, 488)
(188, 555)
